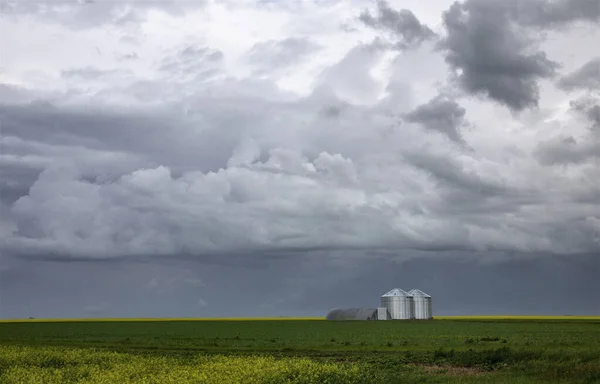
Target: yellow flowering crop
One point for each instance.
(50, 365)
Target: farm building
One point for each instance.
(399, 304)
(422, 308)
(359, 314)
(396, 304)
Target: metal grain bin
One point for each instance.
(422, 304)
(399, 304)
(383, 314)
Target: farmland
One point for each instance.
(449, 350)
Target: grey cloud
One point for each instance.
(90, 14)
(13, 94)
(510, 209)
(590, 108)
(355, 65)
(265, 196)
(402, 24)
(128, 56)
(93, 73)
(556, 13)
(490, 56)
(193, 62)
(594, 115)
(75, 15)
(127, 132)
(208, 170)
(333, 111)
(167, 227)
(276, 56)
(15, 178)
(586, 77)
(10, 91)
(284, 203)
(490, 45)
(452, 174)
(565, 150)
(103, 145)
(441, 114)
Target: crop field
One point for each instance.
(485, 349)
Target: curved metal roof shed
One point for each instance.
(357, 314)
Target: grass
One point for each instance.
(501, 349)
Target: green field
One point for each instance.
(449, 350)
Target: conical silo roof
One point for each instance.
(396, 292)
(418, 293)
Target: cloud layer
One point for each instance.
(388, 134)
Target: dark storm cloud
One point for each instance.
(450, 172)
(491, 56)
(15, 179)
(126, 131)
(172, 192)
(586, 77)
(458, 284)
(441, 114)
(594, 115)
(590, 108)
(565, 150)
(210, 168)
(308, 286)
(402, 24)
(283, 200)
(555, 13)
(490, 45)
(104, 144)
(169, 287)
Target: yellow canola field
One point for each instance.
(54, 365)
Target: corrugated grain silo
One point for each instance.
(422, 304)
(399, 304)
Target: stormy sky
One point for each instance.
(282, 158)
